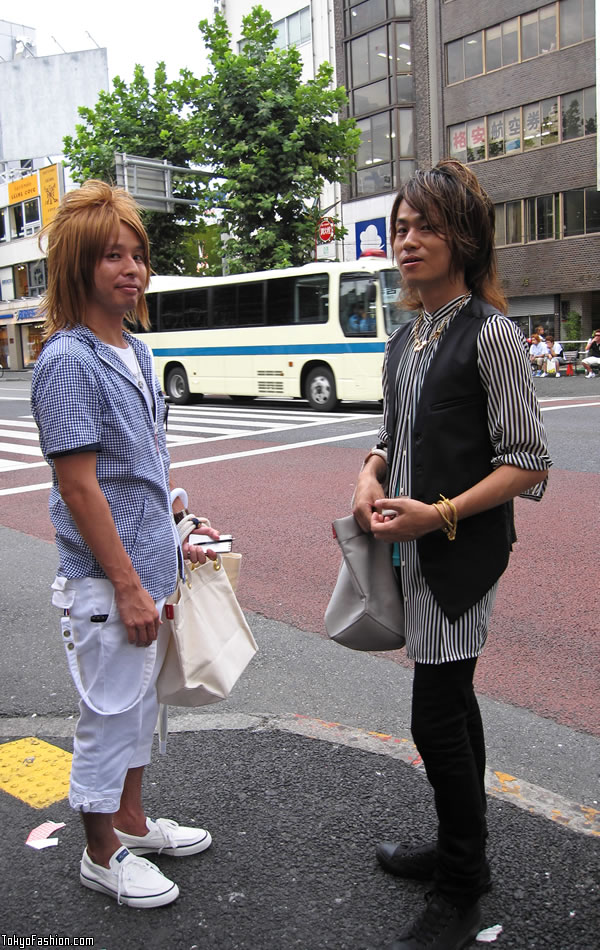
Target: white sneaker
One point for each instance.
(130, 880)
(558, 375)
(167, 837)
(544, 374)
(589, 375)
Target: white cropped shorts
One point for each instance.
(119, 707)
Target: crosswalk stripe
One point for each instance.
(15, 449)
(18, 422)
(16, 434)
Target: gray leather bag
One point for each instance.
(365, 611)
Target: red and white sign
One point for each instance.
(326, 230)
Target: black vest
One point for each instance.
(451, 452)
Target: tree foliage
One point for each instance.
(272, 139)
(146, 121)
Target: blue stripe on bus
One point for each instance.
(289, 350)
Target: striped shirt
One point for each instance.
(518, 437)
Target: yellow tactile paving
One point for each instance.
(34, 771)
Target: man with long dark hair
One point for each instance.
(461, 437)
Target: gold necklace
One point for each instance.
(418, 343)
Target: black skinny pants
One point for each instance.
(448, 732)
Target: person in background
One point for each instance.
(460, 418)
(552, 364)
(100, 412)
(592, 357)
(538, 351)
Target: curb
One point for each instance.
(507, 788)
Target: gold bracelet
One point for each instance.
(452, 522)
(448, 528)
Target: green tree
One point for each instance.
(271, 139)
(572, 326)
(146, 121)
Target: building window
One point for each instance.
(25, 218)
(379, 68)
(542, 218)
(538, 32)
(579, 113)
(520, 38)
(533, 126)
(374, 168)
(581, 212)
(577, 21)
(514, 222)
(464, 58)
(293, 30)
(573, 216)
(500, 231)
(37, 275)
(363, 16)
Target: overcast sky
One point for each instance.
(131, 32)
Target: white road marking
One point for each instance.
(222, 458)
(15, 434)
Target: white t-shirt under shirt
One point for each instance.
(128, 356)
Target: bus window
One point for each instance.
(195, 311)
(391, 293)
(312, 299)
(280, 301)
(250, 305)
(223, 305)
(357, 306)
(171, 311)
(238, 306)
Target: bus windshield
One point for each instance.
(391, 293)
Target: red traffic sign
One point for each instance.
(326, 230)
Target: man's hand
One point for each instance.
(197, 554)
(138, 613)
(368, 490)
(408, 519)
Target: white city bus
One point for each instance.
(316, 332)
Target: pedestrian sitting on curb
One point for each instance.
(538, 351)
(552, 364)
(100, 412)
(592, 357)
(461, 417)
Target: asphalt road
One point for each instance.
(294, 801)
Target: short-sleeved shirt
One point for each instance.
(85, 399)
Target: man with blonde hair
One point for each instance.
(100, 412)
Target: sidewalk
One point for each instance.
(295, 804)
(294, 821)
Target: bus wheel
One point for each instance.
(177, 386)
(320, 389)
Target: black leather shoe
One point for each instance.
(418, 864)
(441, 926)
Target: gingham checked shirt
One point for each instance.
(84, 399)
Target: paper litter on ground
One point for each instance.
(490, 934)
(40, 838)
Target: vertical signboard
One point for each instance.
(49, 192)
